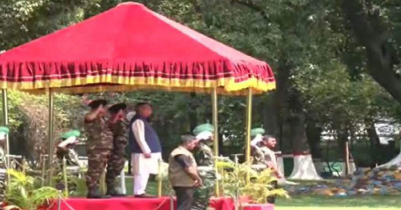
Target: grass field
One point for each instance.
(330, 203)
(319, 202)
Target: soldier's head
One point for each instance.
(118, 110)
(144, 109)
(269, 141)
(3, 135)
(204, 132)
(188, 141)
(99, 105)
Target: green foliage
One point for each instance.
(327, 66)
(163, 175)
(29, 19)
(22, 194)
(333, 98)
(257, 189)
(80, 189)
(28, 121)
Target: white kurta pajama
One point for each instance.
(142, 167)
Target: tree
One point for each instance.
(374, 24)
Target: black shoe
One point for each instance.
(144, 196)
(94, 193)
(113, 193)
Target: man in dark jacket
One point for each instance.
(145, 148)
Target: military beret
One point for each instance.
(4, 130)
(257, 131)
(71, 133)
(203, 127)
(117, 107)
(96, 103)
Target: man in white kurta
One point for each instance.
(145, 149)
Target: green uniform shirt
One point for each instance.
(99, 135)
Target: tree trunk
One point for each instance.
(375, 146)
(373, 35)
(313, 133)
(300, 142)
(345, 154)
(347, 159)
(270, 117)
(276, 105)
(304, 168)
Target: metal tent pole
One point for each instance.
(159, 179)
(248, 131)
(122, 182)
(50, 135)
(215, 135)
(66, 191)
(5, 121)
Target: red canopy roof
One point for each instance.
(131, 47)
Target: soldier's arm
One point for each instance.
(138, 128)
(91, 116)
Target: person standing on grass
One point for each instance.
(183, 172)
(145, 149)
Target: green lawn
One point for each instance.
(331, 203)
(318, 202)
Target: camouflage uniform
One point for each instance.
(117, 161)
(98, 147)
(70, 156)
(204, 157)
(258, 157)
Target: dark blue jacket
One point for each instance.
(151, 137)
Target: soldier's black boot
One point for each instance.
(95, 193)
(111, 191)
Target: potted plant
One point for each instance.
(256, 190)
(22, 194)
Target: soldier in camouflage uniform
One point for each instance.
(256, 151)
(98, 147)
(119, 126)
(204, 159)
(3, 136)
(65, 149)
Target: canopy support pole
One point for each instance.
(215, 136)
(5, 122)
(50, 135)
(248, 131)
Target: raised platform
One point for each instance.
(162, 203)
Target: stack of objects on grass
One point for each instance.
(377, 181)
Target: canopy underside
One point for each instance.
(226, 86)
